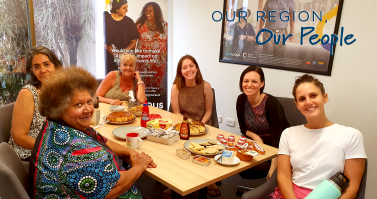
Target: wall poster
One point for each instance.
(145, 33)
(249, 40)
(76, 30)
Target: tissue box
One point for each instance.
(169, 141)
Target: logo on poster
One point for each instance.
(303, 16)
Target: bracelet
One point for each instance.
(140, 83)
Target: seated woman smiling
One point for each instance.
(41, 64)
(311, 153)
(122, 85)
(72, 160)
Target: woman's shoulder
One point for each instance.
(112, 74)
(241, 99)
(27, 93)
(242, 96)
(206, 84)
(271, 100)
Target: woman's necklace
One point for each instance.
(151, 27)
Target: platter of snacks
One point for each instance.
(201, 160)
(196, 128)
(205, 147)
(136, 110)
(121, 132)
(163, 136)
(218, 159)
(120, 117)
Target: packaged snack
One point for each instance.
(227, 157)
(165, 124)
(201, 160)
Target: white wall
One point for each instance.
(351, 87)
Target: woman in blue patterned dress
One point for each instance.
(72, 160)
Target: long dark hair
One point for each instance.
(158, 17)
(29, 58)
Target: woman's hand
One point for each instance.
(116, 102)
(141, 160)
(254, 136)
(137, 76)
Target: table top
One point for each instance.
(182, 176)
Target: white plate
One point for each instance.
(104, 118)
(236, 160)
(121, 132)
(198, 141)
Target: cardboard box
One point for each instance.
(169, 141)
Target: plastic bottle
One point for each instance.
(145, 115)
(184, 133)
(331, 188)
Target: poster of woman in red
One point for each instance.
(152, 48)
(140, 27)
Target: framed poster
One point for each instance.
(296, 35)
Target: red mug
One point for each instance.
(133, 140)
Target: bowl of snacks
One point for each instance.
(246, 154)
(136, 110)
(182, 153)
(201, 160)
(116, 108)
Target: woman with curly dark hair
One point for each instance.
(41, 64)
(152, 45)
(70, 159)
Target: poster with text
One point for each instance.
(283, 39)
(143, 31)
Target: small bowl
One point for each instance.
(137, 114)
(117, 108)
(182, 153)
(206, 163)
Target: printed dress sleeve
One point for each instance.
(89, 170)
(93, 133)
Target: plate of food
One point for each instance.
(136, 110)
(120, 117)
(121, 132)
(235, 161)
(196, 128)
(205, 147)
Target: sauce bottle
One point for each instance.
(184, 134)
(145, 115)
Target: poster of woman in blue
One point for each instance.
(139, 27)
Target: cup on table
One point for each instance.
(133, 140)
(95, 117)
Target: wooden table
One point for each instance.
(183, 176)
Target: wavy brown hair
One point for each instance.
(57, 92)
(29, 65)
(180, 80)
(307, 79)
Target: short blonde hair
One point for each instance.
(128, 56)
